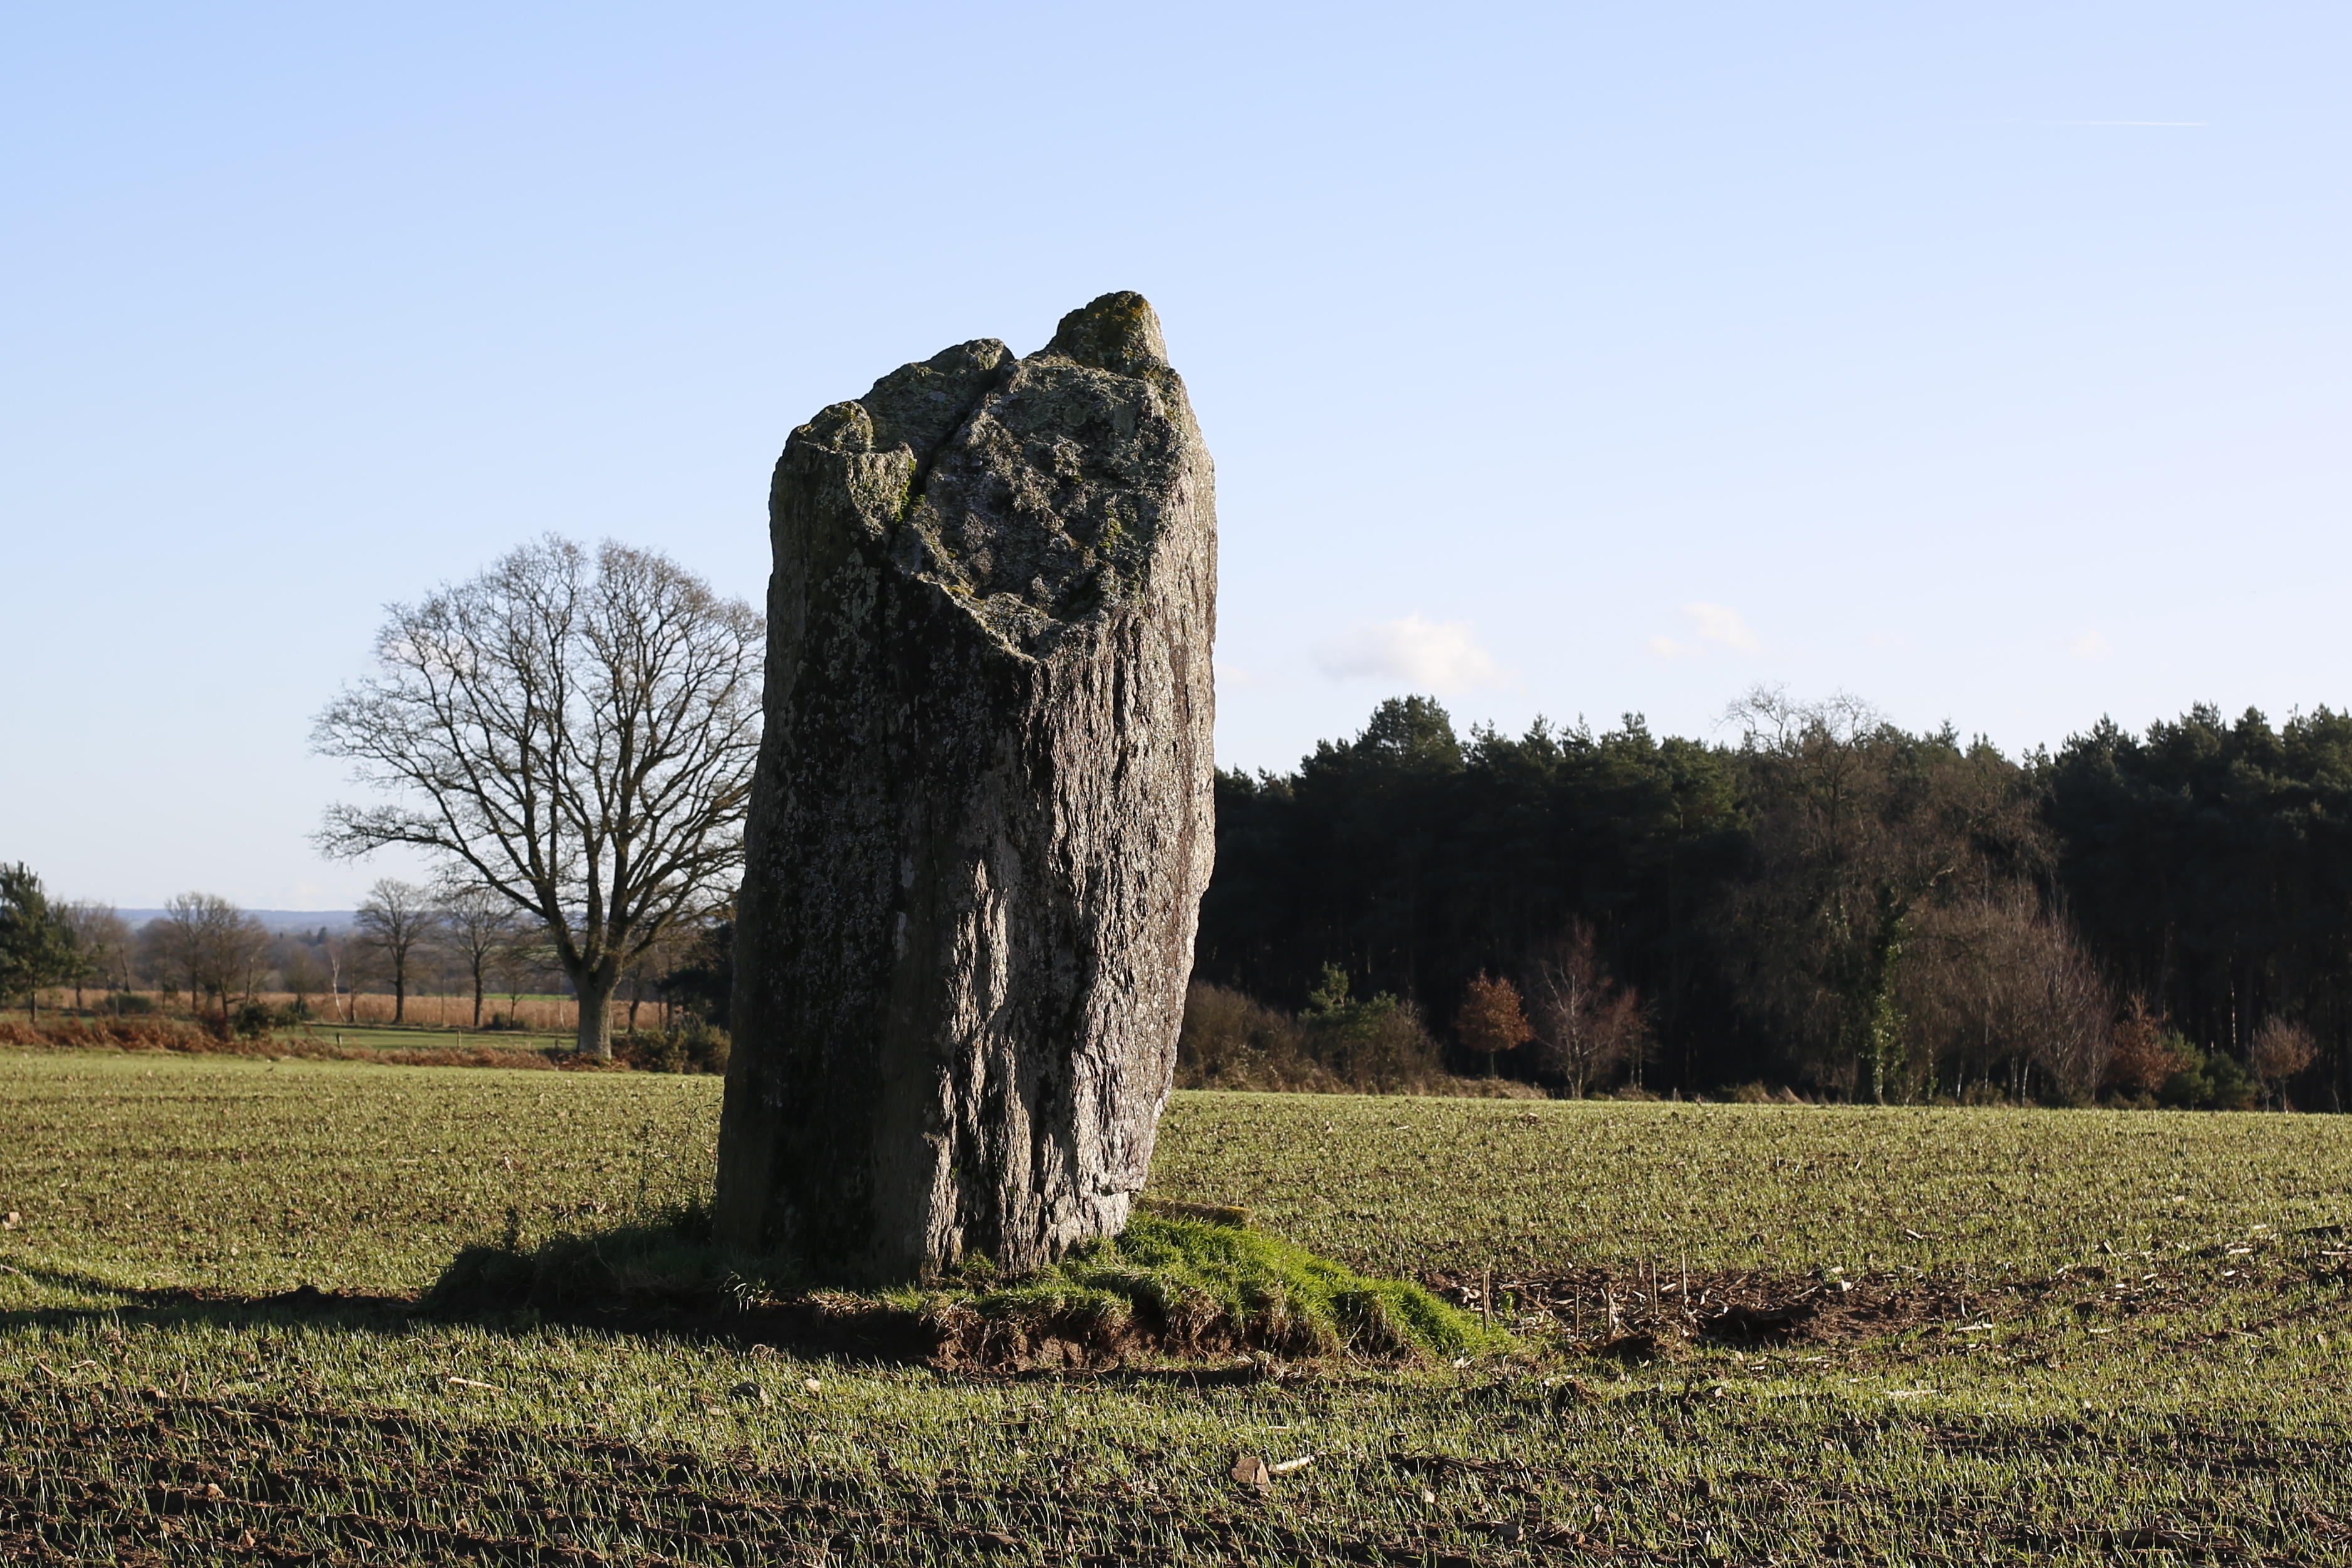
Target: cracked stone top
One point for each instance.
(1030, 489)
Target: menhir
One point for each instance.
(983, 821)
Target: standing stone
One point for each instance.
(982, 818)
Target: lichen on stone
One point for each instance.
(983, 821)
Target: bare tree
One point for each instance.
(2066, 1008)
(2280, 1050)
(1993, 980)
(573, 733)
(1585, 1023)
(1860, 828)
(342, 984)
(521, 966)
(478, 925)
(100, 940)
(164, 956)
(210, 944)
(305, 974)
(396, 921)
(650, 977)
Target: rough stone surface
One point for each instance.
(982, 818)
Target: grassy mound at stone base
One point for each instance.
(1171, 1285)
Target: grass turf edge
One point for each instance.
(1168, 1286)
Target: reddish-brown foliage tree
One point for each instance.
(1491, 1020)
(2142, 1058)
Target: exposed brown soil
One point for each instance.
(956, 1338)
(1746, 1310)
(1642, 1315)
(964, 1339)
(1013, 1336)
(1208, 1346)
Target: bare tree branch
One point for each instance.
(574, 735)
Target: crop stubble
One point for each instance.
(1966, 1334)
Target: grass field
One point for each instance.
(1748, 1334)
(385, 1037)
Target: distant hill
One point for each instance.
(275, 919)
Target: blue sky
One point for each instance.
(1989, 362)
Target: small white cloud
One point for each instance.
(1718, 624)
(1438, 655)
(1721, 624)
(1237, 675)
(2089, 646)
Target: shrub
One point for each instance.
(1376, 1043)
(696, 1046)
(2145, 1055)
(252, 1019)
(1232, 1041)
(132, 1003)
(2207, 1082)
(112, 1034)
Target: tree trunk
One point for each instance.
(982, 819)
(477, 1001)
(399, 993)
(594, 990)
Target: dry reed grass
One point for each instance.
(187, 1039)
(535, 1015)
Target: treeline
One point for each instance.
(1830, 903)
(404, 941)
